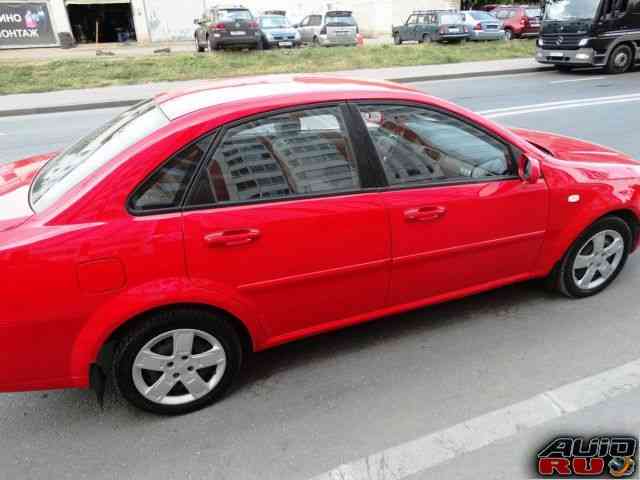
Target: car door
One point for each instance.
(282, 220)
(410, 29)
(460, 216)
(302, 28)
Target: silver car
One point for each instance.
(336, 27)
(483, 25)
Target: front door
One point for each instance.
(460, 217)
(279, 220)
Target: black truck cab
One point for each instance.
(601, 33)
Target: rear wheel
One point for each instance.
(595, 259)
(177, 361)
(426, 38)
(508, 34)
(620, 60)
(199, 48)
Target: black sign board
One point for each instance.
(26, 24)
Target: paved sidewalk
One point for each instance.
(118, 96)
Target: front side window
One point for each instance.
(296, 153)
(412, 20)
(315, 20)
(417, 145)
(167, 186)
(86, 156)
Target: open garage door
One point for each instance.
(101, 21)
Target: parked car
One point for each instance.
(482, 25)
(336, 27)
(490, 7)
(205, 224)
(426, 26)
(520, 21)
(221, 27)
(278, 32)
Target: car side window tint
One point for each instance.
(284, 155)
(422, 145)
(167, 186)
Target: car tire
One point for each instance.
(397, 39)
(316, 42)
(620, 60)
(260, 45)
(594, 261)
(426, 38)
(182, 383)
(508, 35)
(199, 48)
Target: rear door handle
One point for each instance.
(424, 214)
(231, 238)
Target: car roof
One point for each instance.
(243, 91)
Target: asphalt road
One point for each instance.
(306, 408)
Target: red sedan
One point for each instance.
(203, 225)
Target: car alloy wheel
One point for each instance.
(598, 259)
(595, 259)
(177, 361)
(179, 366)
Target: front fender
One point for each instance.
(567, 220)
(140, 299)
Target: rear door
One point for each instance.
(460, 216)
(282, 220)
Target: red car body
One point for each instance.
(80, 270)
(520, 20)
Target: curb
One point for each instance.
(127, 103)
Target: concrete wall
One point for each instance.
(59, 15)
(170, 19)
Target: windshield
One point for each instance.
(276, 21)
(451, 18)
(571, 9)
(227, 15)
(340, 20)
(77, 162)
(482, 16)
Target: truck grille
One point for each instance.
(561, 41)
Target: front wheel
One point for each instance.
(426, 39)
(508, 35)
(396, 39)
(620, 60)
(177, 361)
(595, 259)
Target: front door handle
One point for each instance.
(424, 214)
(231, 238)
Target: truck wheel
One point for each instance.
(396, 39)
(620, 59)
(177, 361)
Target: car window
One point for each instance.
(167, 186)
(482, 16)
(231, 15)
(339, 20)
(315, 20)
(284, 155)
(450, 18)
(533, 12)
(90, 153)
(274, 21)
(421, 145)
(412, 20)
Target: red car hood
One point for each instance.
(15, 179)
(572, 149)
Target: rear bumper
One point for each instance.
(326, 40)
(245, 40)
(487, 35)
(580, 57)
(443, 37)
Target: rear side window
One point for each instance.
(285, 155)
(167, 186)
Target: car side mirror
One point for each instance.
(529, 169)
